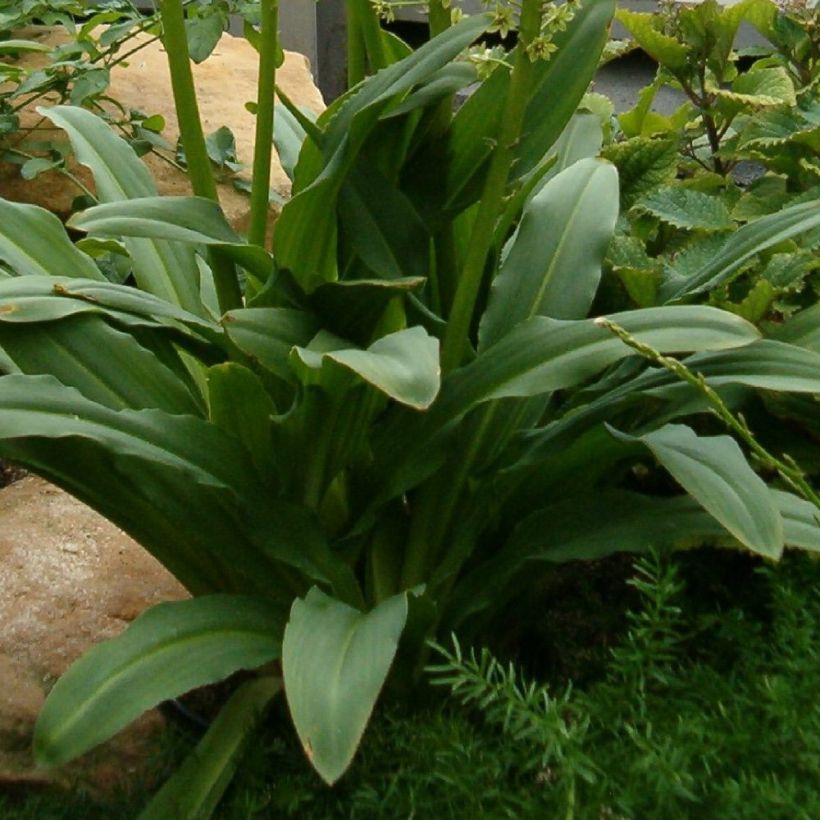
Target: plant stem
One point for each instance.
(356, 56)
(193, 140)
(439, 17)
(786, 466)
(457, 335)
(182, 84)
(265, 106)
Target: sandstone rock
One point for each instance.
(225, 82)
(68, 579)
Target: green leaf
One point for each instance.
(537, 357)
(801, 521)
(183, 218)
(33, 242)
(221, 147)
(353, 308)
(335, 660)
(196, 788)
(288, 136)
(268, 335)
(106, 365)
(166, 269)
(16, 46)
(165, 652)
(43, 298)
(180, 486)
(761, 87)
(749, 240)
(596, 525)
(402, 365)
(204, 33)
(714, 471)
(554, 263)
(382, 225)
(89, 84)
(660, 47)
(542, 355)
(686, 208)
(306, 231)
(643, 165)
(240, 405)
(562, 81)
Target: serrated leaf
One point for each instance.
(787, 271)
(685, 208)
(761, 88)
(643, 165)
(661, 47)
(335, 660)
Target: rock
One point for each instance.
(68, 579)
(225, 82)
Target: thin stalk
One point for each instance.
(356, 56)
(457, 335)
(263, 141)
(187, 109)
(193, 140)
(439, 17)
(786, 466)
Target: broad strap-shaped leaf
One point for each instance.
(801, 521)
(166, 269)
(802, 330)
(563, 80)
(186, 219)
(168, 650)
(335, 660)
(33, 241)
(714, 471)
(268, 335)
(763, 364)
(749, 240)
(541, 354)
(180, 486)
(554, 263)
(288, 136)
(239, 404)
(48, 298)
(382, 226)
(537, 357)
(596, 525)
(402, 365)
(196, 788)
(106, 365)
(454, 181)
(306, 231)
(353, 308)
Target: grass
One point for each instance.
(706, 708)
